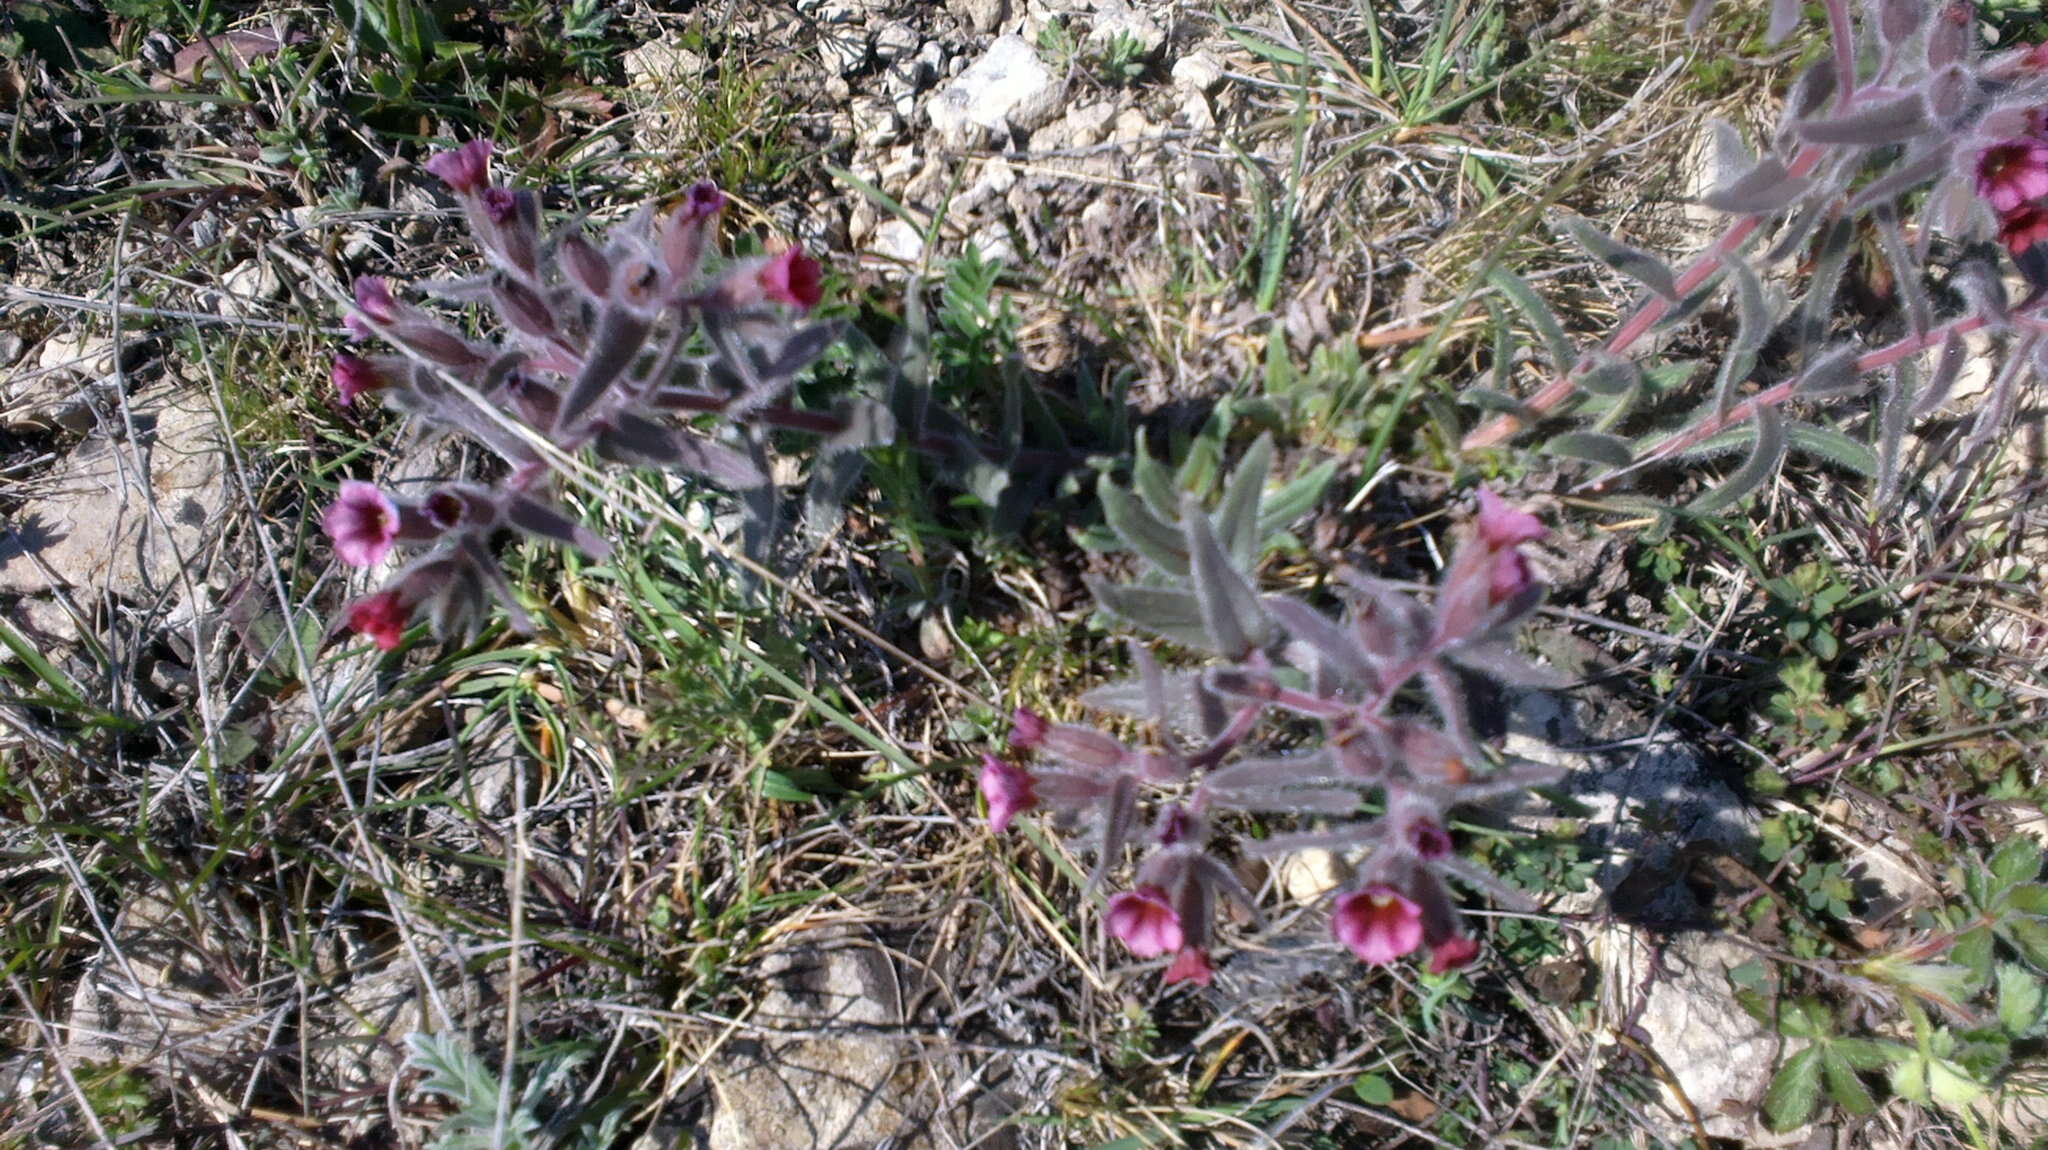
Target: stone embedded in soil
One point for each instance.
(1122, 19)
(1676, 993)
(982, 16)
(1008, 89)
(1197, 72)
(846, 1081)
(122, 517)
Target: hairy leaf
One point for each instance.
(1634, 263)
(1784, 18)
(620, 333)
(1170, 614)
(1317, 631)
(1592, 446)
(1889, 120)
(1794, 1090)
(1229, 606)
(1295, 497)
(1767, 452)
(1610, 375)
(1159, 543)
(1768, 187)
(1954, 353)
(1525, 299)
(1831, 373)
(1237, 517)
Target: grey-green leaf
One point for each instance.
(1634, 263)
(1593, 446)
(1765, 455)
(1237, 518)
(1525, 299)
(1230, 608)
(1141, 531)
(1170, 614)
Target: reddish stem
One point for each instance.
(1642, 319)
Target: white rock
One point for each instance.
(895, 40)
(1009, 88)
(11, 347)
(899, 241)
(1197, 72)
(982, 16)
(1196, 113)
(1116, 19)
(1308, 875)
(246, 287)
(78, 354)
(122, 517)
(1720, 1056)
(875, 122)
(659, 65)
(1082, 127)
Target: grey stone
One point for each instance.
(657, 64)
(123, 517)
(822, 1090)
(874, 122)
(982, 16)
(1008, 88)
(1678, 995)
(11, 347)
(1116, 19)
(1197, 72)
(899, 241)
(247, 287)
(895, 40)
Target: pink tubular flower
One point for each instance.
(702, 201)
(352, 375)
(1502, 526)
(2013, 173)
(362, 521)
(1510, 576)
(1027, 728)
(1190, 964)
(500, 205)
(1008, 790)
(1428, 839)
(2023, 227)
(1144, 921)
(1378, 923)
(792, 278)
(1453, 954)
(463, 169)
(374, 299)
(381, 617)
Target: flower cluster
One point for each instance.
(596, 352)
(1352, 676)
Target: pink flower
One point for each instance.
(1427, 838)
(1144, 921)
(463, 169)
(702, 201)
(1190, 964)
(1453, 954)
(500, 205)
(2012, 173)
(792, 278)
(1510, 576)
(374, 305)
(2023, 227)
(1008, 790)
(1502, 526)
(362, 522)
(1378, 923)
(1027, 728)
(352, 375)
(382, 617)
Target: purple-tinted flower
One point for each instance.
(792, 278)
(463, 169)
(1502, 526)
(374, 306)
(1144, 921)
(2023, 227)
(1008, 790)
(1378, 923)
(701, 202)
(2012, 173)
(1510, 576)
(381, 618)
(1190, 964)
(362, 521)
(500, 205)
(1027, 729)
(1427, 838)
(1453, 953)
(352, 375)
